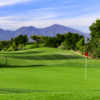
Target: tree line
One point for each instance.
(69, 41)
(93, 44)
(74, 41)
(14, 44)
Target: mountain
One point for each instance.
(48, 31)
(6, 34)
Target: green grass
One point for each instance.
(48, 74)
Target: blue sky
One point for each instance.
(79, 14)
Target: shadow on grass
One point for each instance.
(30, 52)
(48, 57)
(20, 66)
(7, 90)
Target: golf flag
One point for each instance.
(86, 54)
(86, 66)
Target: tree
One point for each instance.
(51, 42)
(4, 45)
(70, 40)
(95, 30)
(80, 45)
(13, 46)
(37, 39)
(18, 42)
(21, 39)
(60, 38)
(94, 43)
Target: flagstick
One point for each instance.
(86, 69)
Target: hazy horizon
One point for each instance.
(43, 13)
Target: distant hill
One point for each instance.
(48, 31)
(6, 34)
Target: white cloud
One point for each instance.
(44, 20)
(11, 2)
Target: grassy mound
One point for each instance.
(47, 74)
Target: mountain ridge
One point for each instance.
(31, 30)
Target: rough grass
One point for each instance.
(47, 74)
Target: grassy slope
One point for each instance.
(46, 71)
